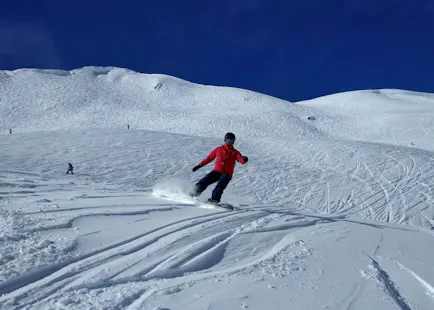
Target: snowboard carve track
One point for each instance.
(389, 286)
(201, 256)
(69, 223)
(53, 274)
(283, 244)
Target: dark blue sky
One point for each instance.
(289, 49)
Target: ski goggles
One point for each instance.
(229, 140)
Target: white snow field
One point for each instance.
(335, 212)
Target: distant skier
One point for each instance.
(10, 131)
(227, 156)
(70, 169)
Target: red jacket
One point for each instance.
(226, 158)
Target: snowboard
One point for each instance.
(220, 205)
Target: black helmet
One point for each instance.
(230, 135)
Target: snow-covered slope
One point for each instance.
(40, 100)
(332, 213)
(100, 97)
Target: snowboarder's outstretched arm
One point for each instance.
(242, 159)
(207, 160)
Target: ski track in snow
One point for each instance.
(314, 199)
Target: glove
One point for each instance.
(246, 159)
(196, 168)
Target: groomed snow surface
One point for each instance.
(334, 210)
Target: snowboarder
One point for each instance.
(71, 168)
(227, 156)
